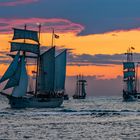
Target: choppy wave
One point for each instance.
(95, 118)
(94, 113)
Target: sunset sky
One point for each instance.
(95, 32)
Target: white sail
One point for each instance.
(15, 78)
(60, 71)
(27, 47)
(25, 34)
(30, 84)
(127, 65)
(129, 74)
(21, 89)
(46, 72)
(11, 69)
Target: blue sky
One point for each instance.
(97, 16)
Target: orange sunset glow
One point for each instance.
(107, 43)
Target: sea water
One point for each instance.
(95, 118)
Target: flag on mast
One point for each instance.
(56, 36)
(132, 48)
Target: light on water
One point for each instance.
(102, 118)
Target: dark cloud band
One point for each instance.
(98, 59)
(17, 2)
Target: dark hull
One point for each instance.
(128, 97)
(66, 97)
(78, 97)
(34, 102)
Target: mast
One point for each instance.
(136, 83)
(78, 85)
(129, 72)
(137, 78)
(24, 46)
(52, 36)
(25, 27)
(80, 91)
(83, 85)
(38, 60)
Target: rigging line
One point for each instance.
(137, 77)
(52, 37)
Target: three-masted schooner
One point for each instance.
(50, 73)
(80, 92)
(130, 71)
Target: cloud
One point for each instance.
(97, 16)
(98, 59)
(17, 2)
(60, 25)
(4, 58)
(3, 53)
(82, 59)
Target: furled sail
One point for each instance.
(46, 71)
(127, 65)
(25, 34)
(129, 74)
(60, 71)
(27, 47)
(21, 89)
(15, 78)
(11, 69)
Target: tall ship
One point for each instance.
(50, 73)
(80, 92)
(130, 78)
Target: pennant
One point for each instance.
(132, 48)
(56, 36)
(33, 72)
